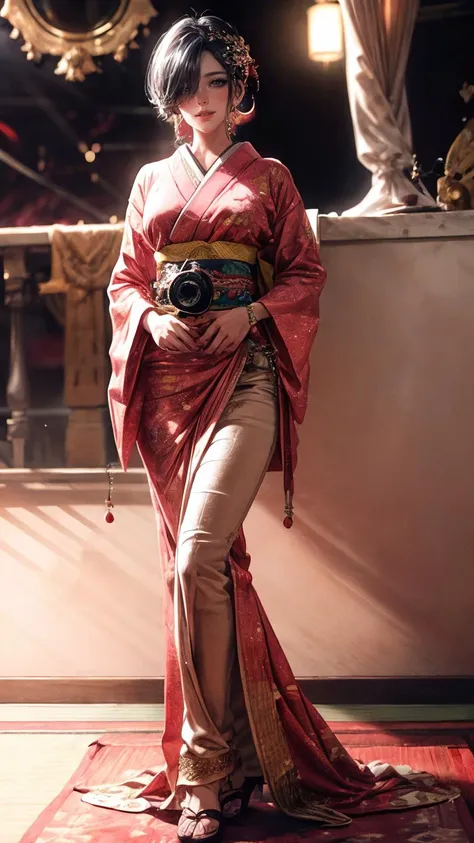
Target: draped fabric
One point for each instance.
(378, 35)
(171, 403)
(82, 258)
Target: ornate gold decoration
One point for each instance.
(204, 770)
(456, 187)
(236, 54)
(116, 35)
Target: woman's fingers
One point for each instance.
(219, 340)
(180, 323)
(222, 335)
(173, 342)
(176, 345)
(185, 337)
(211, 331)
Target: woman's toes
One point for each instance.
(205, 826)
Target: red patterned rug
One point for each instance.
(442, 749)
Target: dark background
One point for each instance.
(303, 114)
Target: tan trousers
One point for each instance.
(216, 732)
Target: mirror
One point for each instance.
(77, 32)
(77, 18)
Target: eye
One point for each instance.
(218, 83)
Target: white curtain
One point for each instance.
(378, 35)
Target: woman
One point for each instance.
(214, 304)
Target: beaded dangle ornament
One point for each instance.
(109, 516)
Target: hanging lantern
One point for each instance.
(325, 32)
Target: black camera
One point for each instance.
(188, 290)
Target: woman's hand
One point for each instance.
(169, 332)
(226, 331)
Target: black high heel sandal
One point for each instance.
(210, 813)
(240, 795)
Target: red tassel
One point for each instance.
(288, 522)
(109, 517)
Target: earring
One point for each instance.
(242, 117)
(230, 123)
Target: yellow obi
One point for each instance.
(201, 250)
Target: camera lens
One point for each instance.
(191, 292)
(188, 294)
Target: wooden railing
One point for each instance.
(85, 439)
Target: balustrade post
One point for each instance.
(15, 275)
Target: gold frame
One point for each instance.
(116, 36)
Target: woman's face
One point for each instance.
(207, 109)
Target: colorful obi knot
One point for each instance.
(234, 282)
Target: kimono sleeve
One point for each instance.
(299, 277)
(130, 295)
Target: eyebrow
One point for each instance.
(216, 73)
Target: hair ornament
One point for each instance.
(236, 54)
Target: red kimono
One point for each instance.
(170, 406)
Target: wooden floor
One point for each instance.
(46, 759)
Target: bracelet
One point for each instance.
(252, 318)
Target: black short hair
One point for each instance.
(174, 68)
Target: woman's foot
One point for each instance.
(201, 817)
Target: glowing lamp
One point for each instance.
(325, 32)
